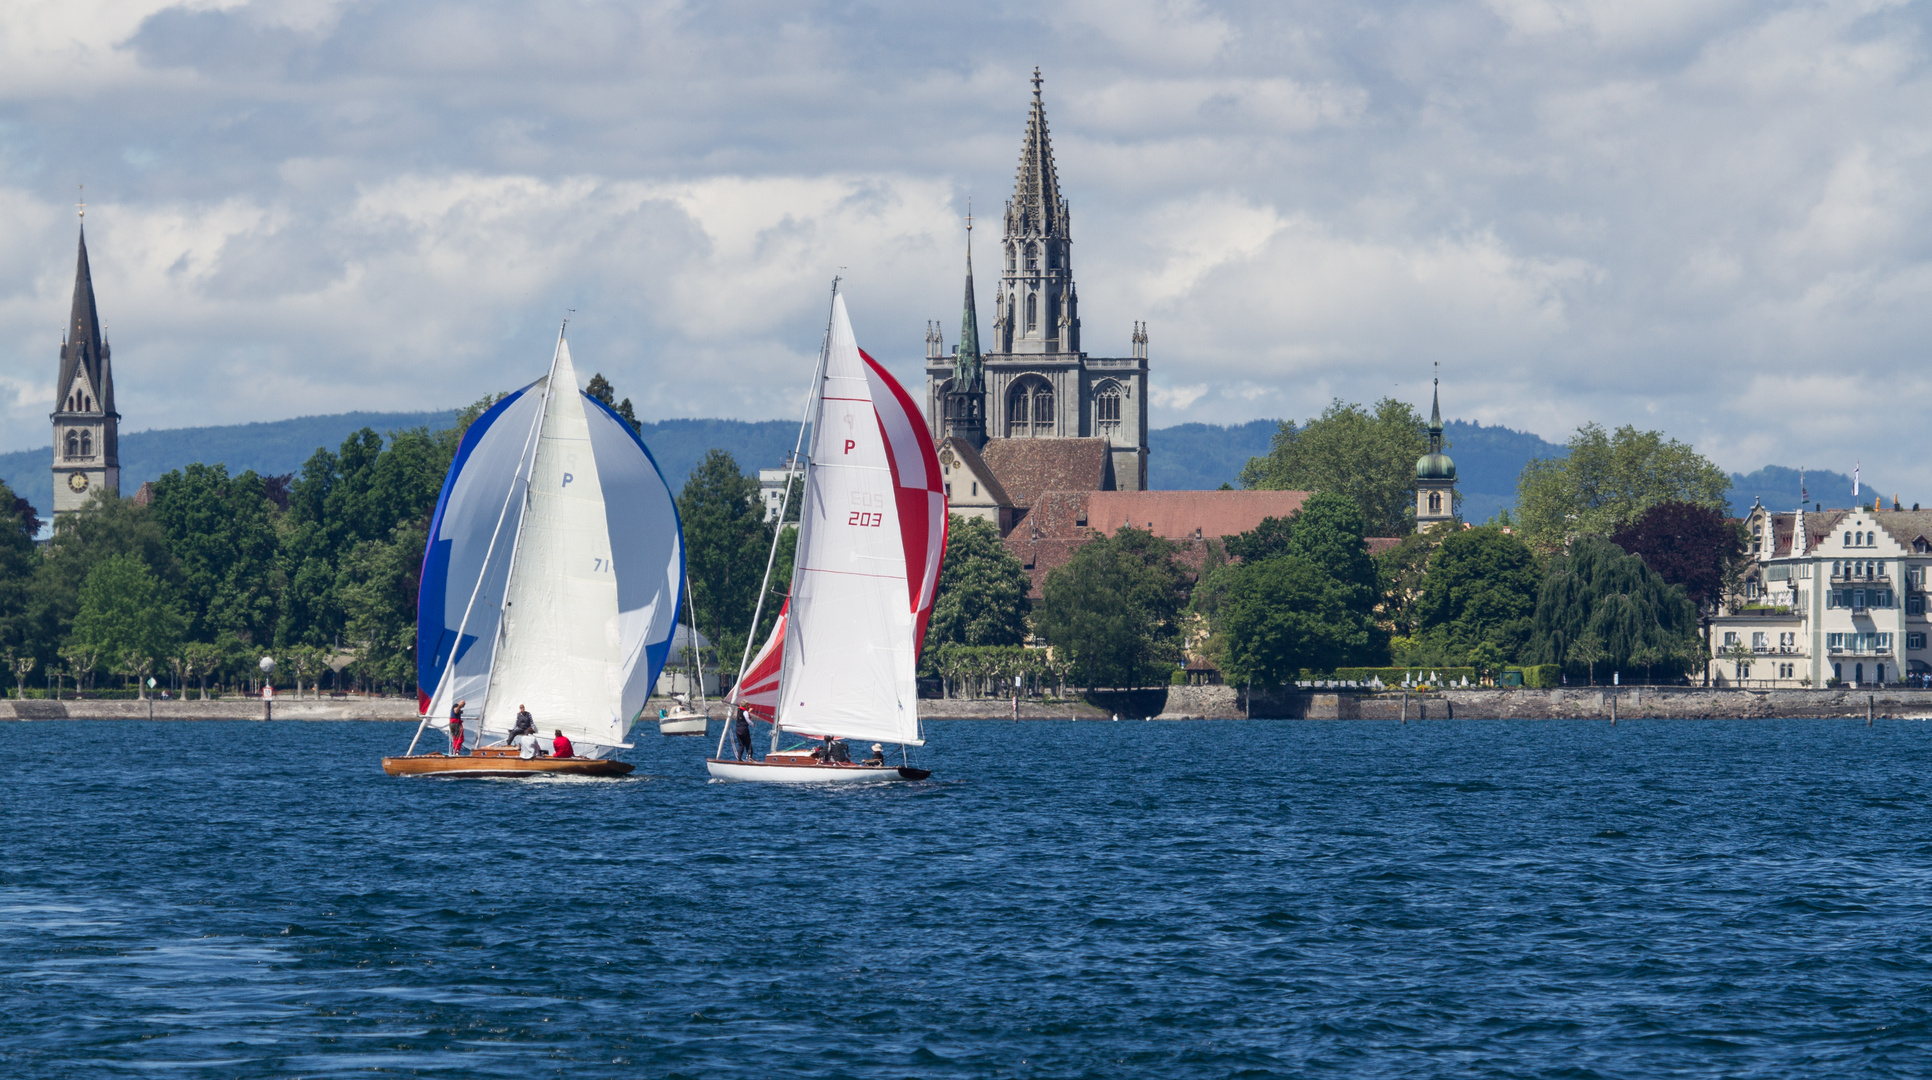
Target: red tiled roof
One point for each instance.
(1183, 515)
(1028, 468)
(1378, 544)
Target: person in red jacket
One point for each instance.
(456, 728)
(560, 746)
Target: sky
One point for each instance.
(1697, 216)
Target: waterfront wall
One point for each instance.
(1173, 703)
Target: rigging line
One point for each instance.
(784, 504)
(529, 481)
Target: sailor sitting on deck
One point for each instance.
(836, 752)
(527, 746)
(878, 755)
(560, 746)
(525, 725)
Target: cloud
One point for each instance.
(1698, 216)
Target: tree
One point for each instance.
(221, 531)
(1402, 571)
(1599, 604)
(601, 389)
(377, 589)
(1687, 545)
(1348, 450)
(18, 563)
(104, 527)
(981, 596)
(1479, 596)
(1114, 609)
(1608, 479)
(726, 544)
(1285, 614)
(127, 615)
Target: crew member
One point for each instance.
(878, 755)
(525, 725)
(456, 728)
(560, 746)
(527, 746)
(741, 735)
(837, 752)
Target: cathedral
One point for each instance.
(1032, 409)
(86, 427)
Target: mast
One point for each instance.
(814, 401)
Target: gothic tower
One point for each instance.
(86, 427)
(1037, 310)
(964, 402)
(1032, 381)
(1435, 474)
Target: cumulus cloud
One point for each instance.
(1699, 216)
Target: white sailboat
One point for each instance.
(688, 716)
(550, 583)
(842, 661)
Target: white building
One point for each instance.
(1828, 595)
(771, 485)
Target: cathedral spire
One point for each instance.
(86, 438)
(966, 369)
(1035, 300)
(84, 352)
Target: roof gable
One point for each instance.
(1029, 468)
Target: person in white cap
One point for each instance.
(878, 755)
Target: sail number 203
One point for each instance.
(869, 518)
(866, 517)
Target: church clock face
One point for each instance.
(77, 481)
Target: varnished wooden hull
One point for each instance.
(496, 765)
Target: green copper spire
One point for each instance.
(1435, 465)
(966, 369)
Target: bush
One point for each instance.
(1179, 678)
(1543, 676)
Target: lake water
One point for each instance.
(1306, 899)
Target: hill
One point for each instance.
(282, 446)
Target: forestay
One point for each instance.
(576, 582)
(872, 533)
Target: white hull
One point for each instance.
(682, 725)
(810, 773)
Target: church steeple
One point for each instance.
(1037, 310)
(86, 427)
(965, 399)
(1435, 472)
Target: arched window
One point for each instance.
(1032, 311)
(1106, 408)
(87, 444)
(1435, 502)
(1029, 408)
(73, 444)
(1009, 256)
(1032, 257)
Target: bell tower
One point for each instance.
(86, 427)
(964, 399)
(1435, 474)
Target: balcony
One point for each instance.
(1862, 579)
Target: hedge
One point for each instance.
(1543, 676)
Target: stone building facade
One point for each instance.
(1031, 380)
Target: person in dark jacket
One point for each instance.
(525, 725)
(456, 728)
(741, 735)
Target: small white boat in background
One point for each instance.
(684, 718)
(842, 662)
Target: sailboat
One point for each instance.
(842, 660)
(550, 583)
(688, 717)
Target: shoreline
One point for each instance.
(1166, 704)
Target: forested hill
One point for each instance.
(1185, 457)
(282, 446)
(1190, 457)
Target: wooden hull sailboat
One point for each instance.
(502, 762)
(550, 585)
(842, 661)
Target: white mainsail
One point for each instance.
(872, 508)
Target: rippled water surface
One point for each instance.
(1662, 898)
